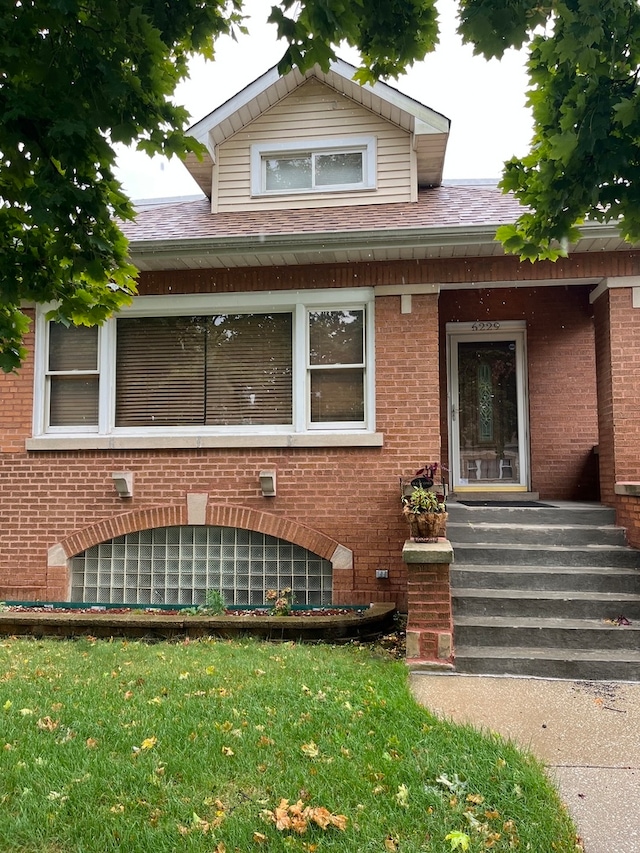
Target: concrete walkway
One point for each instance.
(587, 733)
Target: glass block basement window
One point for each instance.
(177, 565)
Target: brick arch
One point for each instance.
(223, 515)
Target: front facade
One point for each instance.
(326, 320)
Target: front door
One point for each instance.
(488, 420)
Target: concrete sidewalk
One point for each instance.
(587, 733)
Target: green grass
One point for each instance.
(119, 745)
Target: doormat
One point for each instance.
(503, 503)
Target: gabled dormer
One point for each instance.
(317, 140)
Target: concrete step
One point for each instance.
(534, 632)
(585, 578)
(581, 664)
(562, 604)
(616, 556)
(561, 513)
(461, 532)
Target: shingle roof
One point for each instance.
(437, 207)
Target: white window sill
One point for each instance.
(152, 442)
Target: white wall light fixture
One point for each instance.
(123, 481)
(268, 483)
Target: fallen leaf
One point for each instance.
(226, 750)
(390, 844)
(259, 838)
(91, 743)
(402, 796)
(47, 724)
(310, 749)
(149, 742)
(458, 839)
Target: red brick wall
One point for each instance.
(561, 377)
(605, 398)
(351, 495)
(618, 354)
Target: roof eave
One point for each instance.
(320, 245)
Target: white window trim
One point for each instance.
(347, 144)
(299, 433)
(46, 386)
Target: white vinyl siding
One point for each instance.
(314, 112)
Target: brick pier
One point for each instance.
(430, 622)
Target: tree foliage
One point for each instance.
(584, 61)
(78, 76)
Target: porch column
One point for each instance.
(430, 620)
(616, 304)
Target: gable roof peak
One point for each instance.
(271, 87)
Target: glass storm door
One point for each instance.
(488, 411)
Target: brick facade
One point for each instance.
(618, 358)
(65, 500)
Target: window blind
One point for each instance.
(219, 370)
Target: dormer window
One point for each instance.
(313, 166)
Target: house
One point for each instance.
(328, 318)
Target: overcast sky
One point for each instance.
(484, 100)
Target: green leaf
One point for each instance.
(458, 839)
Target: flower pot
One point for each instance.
(426, 526)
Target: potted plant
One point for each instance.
(426, 512)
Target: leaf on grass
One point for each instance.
(297, 817)
(402, 796)
(46, 724)
(458, 839)
(259, 838)
(477, 799)
(91, 743)
(310, 749)
(390, 844)
(149, 742)
(455, 785)
(226, 750)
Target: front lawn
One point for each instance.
(241, 747)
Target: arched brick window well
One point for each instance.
(177, 565)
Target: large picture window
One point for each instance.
(285, 364)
